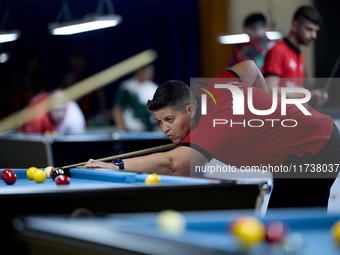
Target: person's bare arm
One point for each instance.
(117, 116)
(178, 161)
(273, 81)
(250, 74)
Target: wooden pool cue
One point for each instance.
(78, 89)
(129, 154)
(331, 77)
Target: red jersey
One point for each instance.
(254, 140)
(287, 62)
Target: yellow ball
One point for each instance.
(171, 222)
(39, 176)
(336, 232)
(152, 179)
(249, 231)
(48, 171)
(30, 172)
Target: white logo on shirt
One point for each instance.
(301, 67)
(292, 64)
(290, 84)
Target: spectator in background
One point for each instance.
(129, 111)
(28, 83)
(284, 63)
(65, 119)
(255, 27)
(78, 72)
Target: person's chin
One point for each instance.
(307, 42)
(176, 140)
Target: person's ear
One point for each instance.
(295, 25)
(191, 111)
(247, 30)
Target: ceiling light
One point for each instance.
(4, 57)
(89, 23)
(9, 35)
(233, 39)
(244, 38)
(274, 35)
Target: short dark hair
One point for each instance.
(255, 21)
(308, 13)
(174, 94)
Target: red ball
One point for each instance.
(62, 179)
(276, 231)
(4, 172)
(9, 176)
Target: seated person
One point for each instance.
(65, 119)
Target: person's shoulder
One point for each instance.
(278, 46)
(128, 84)
(148, 86)
(72, 104)
(227, 74)
(151, 85)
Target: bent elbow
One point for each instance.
(178, 169)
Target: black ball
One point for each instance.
(56, 172)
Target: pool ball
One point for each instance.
(336, 232)
(48, 171)
(8, 176)
(293, 244)
(39, 176)
(62, 179)
(276, 231)
(4, 172)
(152, 179)
(171, 222)
(54, 133)
(55, 172)
(231, 225)
(30, 171)
(81, 213)
(248, 230)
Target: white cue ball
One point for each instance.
(171, 221)
(293, 243)
(48, 171)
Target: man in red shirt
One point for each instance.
(255, 27)
(65, 119)
(284, 63)
(248, 139)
